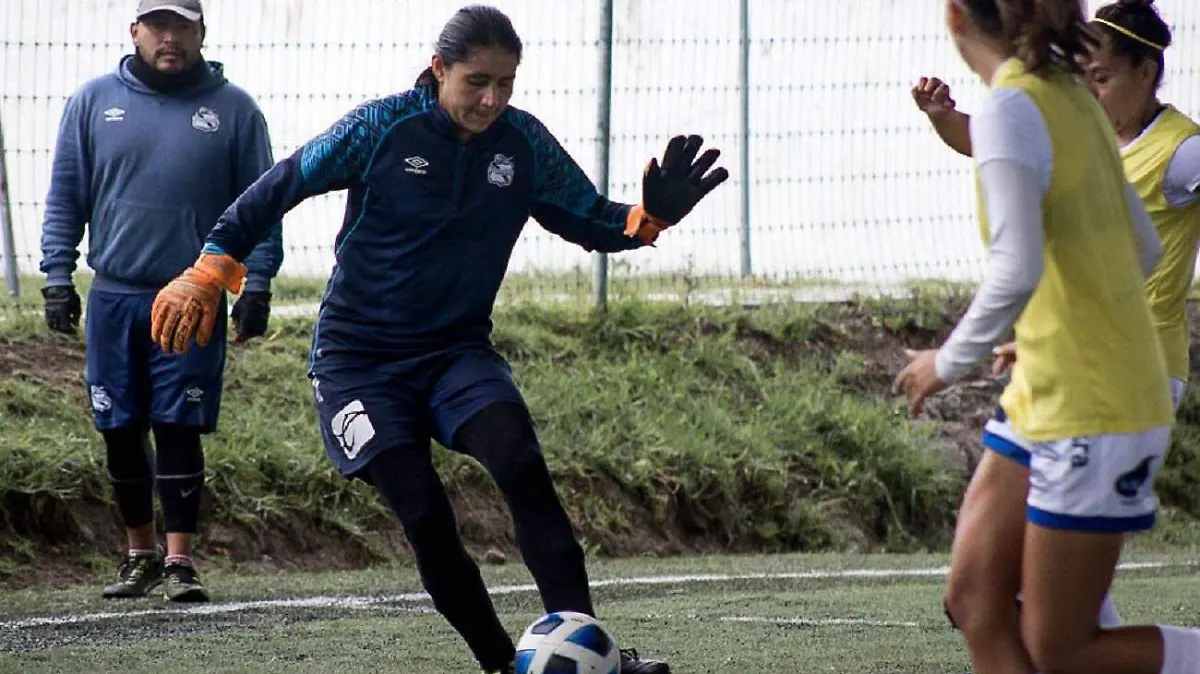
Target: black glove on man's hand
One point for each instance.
(250, 314)
(63, 308)
(672, 190)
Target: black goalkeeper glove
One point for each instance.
(63, 308)
(250, 314)
(671, 190)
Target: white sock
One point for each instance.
(181, 560)
(1109, 618)
(1181, 650)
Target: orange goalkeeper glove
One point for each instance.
(671, 190)
(189, 304)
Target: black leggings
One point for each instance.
(502, 439)
(176, 466)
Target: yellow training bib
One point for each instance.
(1088, 359)
(1146, 161)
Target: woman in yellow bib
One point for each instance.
(1070, 246)
(1160, 150)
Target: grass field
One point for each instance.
(849, 614)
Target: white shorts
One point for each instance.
(1102, 484)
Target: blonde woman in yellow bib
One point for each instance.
(1070, 246)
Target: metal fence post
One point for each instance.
(6, 226)
(747, 269)
(603, 125)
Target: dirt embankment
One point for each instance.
(59, 534)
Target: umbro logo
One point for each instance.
(416, 165)
(114, 114)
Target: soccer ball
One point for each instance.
(567, 643)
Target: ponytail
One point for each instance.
(1054, 33)
(1042, 33)
(426, 79)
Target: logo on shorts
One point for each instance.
(1129, 484)
(500, 171)
(1047, 466)
(194, 395)
(206, 120)
(352, 428)
(316, 384)
(100, 400)
(1079, 453)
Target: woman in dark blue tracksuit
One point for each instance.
(441, 180)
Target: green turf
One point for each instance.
(714, 626)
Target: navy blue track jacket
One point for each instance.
(430, 221)
(149, 174)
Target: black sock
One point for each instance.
(180, 476)
(129, 469)
(406, 479)
(502, 438)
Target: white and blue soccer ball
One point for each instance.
(567, 643)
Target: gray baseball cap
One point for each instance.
(191, 10)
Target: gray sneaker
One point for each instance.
(138, 575)
(182, 584)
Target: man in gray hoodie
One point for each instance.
(147, 159)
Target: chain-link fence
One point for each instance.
(842, 184)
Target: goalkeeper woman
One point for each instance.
(441, 179)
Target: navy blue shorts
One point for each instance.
(132, 382)
(367, 405)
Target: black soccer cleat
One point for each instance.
(137, 576)
(510, 668)
(632, 664)
(182, 584)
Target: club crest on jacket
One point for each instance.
(206, 120)
(500, 171)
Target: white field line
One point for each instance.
(415, 597)
(762, 620)
(766, 620)
(817, 622)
